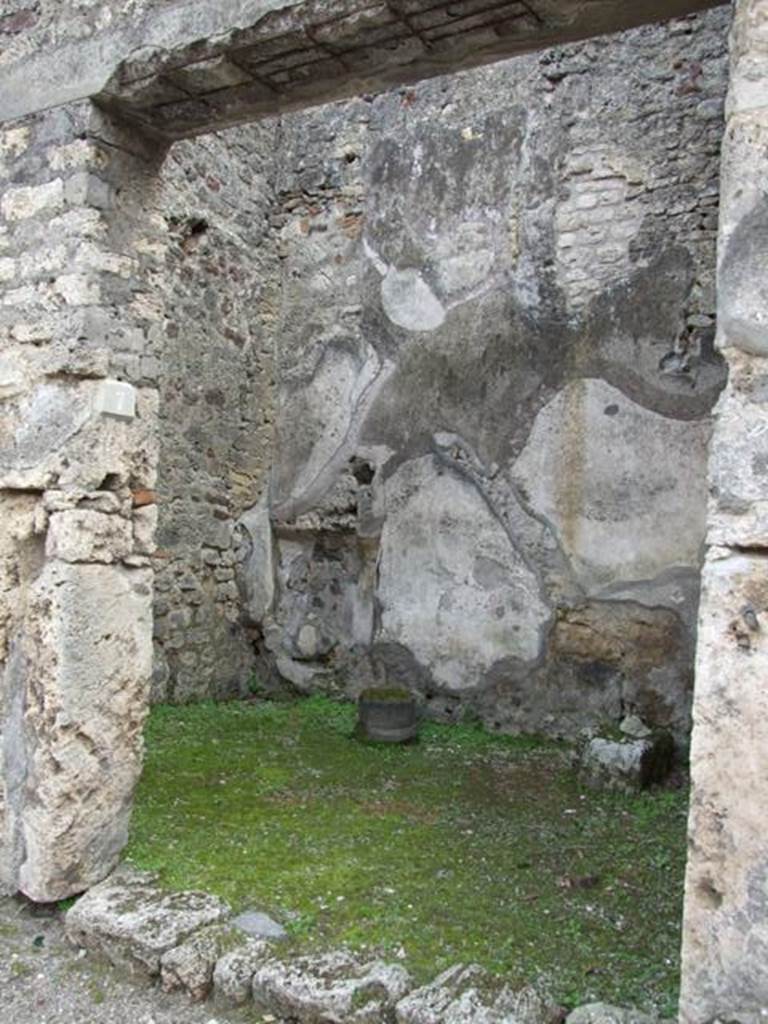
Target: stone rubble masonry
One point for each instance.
(218, 286)
(725, 933)
(78, 435)
(495, 374)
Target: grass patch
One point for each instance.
(463, 847)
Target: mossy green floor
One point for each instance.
(463, 847)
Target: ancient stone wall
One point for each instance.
(135, 291)
(78, 456)
(495, 370)
(218, 289)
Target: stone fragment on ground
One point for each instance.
(627, 765)
(605, 1013)
(132, 922)
(329, 988)
(190, 966)
(259, 925)
(467, 994)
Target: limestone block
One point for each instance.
(14, 141)
(742, 196)
(133, 923)
(107, 502)
(469, 995)
(742, 284)
(8, 269)
(234, 971)
(738, 467)
(78, 289)
(333, 986)
(80, 535)
(12, 380)
(626, 765)
(190, 966)
(42, 329)
(64, 358)
(725, 928)
(21, 553)
(42, 423)
(86, 189)
(53, 437)
(748, 86)
(29, 200)
(622, 485)
(87, 662)
(75, 155)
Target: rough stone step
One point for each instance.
(330, 989)
(468, 994)
(132, 922)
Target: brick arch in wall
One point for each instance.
(77, 472)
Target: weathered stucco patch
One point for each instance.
(622, 485)
(409, 302)
(459, 607)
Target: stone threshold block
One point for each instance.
(133, 923)
(332, 987)
(467, 994)
(191, 967)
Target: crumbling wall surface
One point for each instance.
(213, 204)
(495, 373)
(725, 944)
(29, 26)
(77, 452)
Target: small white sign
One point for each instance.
(116, 398)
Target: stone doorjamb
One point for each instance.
(725, 948)
(78, 454)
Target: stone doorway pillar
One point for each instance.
(78, 452)
(725, 946)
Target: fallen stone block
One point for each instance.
(467, 994)
(132, 922)
(191, 965)
(628, 765)
(330, 989)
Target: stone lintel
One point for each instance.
(203, 65)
